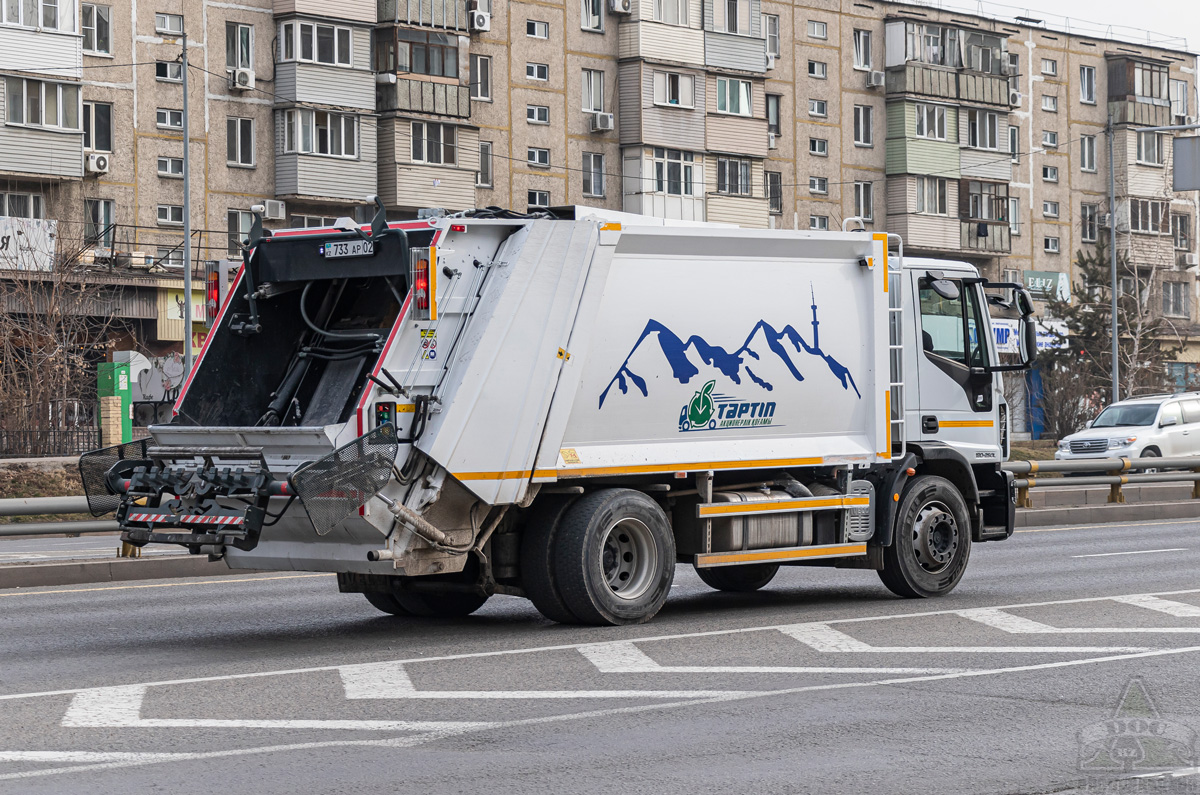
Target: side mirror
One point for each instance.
(1088, 424)
(945, 288)
(1167, 422)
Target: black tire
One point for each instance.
(742, 579)
(932, 540)
(1150, 452)
(614, 558)
(386, 602)
(537, 559)
(448, 604)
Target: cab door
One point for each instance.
(1175, 435)
(955, 385)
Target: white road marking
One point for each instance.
(624, 657)
(998, 619)
(1134, 552)
(1178, 609)
(86, 756)
(825, 638)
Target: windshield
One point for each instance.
(1117, 416)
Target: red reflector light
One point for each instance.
(213, 299)
(458, 227)
(421, 284)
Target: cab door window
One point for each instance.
(1191, 411)
(1171, 412)
(953, 328)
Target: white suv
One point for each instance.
(1142, 427)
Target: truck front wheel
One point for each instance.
(932, 540)
(614, 558)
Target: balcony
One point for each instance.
(734, 51)
(425, 96)
(1147, 113)
(346, 10)
(941, 82)
(996, 237)
(658, 42)
(441, 14)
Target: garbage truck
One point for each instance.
(564, 406)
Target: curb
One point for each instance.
(1104, 514)
(42, 575)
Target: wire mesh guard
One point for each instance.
(335, 486)
(94, 465)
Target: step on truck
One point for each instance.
(563, 407)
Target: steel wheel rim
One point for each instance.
(936, 537)
(628, 558)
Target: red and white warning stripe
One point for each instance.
(166, 517)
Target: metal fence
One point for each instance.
(42, 442)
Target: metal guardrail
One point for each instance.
(1115, 474)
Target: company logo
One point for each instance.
(709, 411)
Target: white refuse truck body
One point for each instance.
(564, 409)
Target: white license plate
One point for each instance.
(348, 248)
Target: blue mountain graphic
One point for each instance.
(730, 364)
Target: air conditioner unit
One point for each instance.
(771, 140)
(275, 210)
(97, 164)
(1191, 260)
(1105, 220)
(602, 122)
(875, 79)
(481, 21)
(770, 60)
(1014, 98)
(241, 79)
(621, 6)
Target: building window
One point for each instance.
(536, 29)
(537, 71)
(98, 228)
(733, 96)
(983, 129)
(733, 176)
(239, 46)
(671, 88)
(672, 12)
(538, 199)
(239, 142)
(986, 201)
(1147, 215)
(674, 172)
(170, 257)
(1087, 153)
(1050, 173)
(1089, 222)
(327, 44)
(1050, 245)
(817, 30)
(238, 224)
(1150, 81)
(1049, 209)
(22, 205)
(931, 122)
(862, 49)
(319, 133)
(409, 51)
(1050, 139)
(311, 221)
(1150, 148)
(1175, 299)
(593, 174)
(864, 194)
(481, 77)
(818, 147)
(168, 119)
(1050, 67)
(1179, 100)
(1181, 231)
(483, 177)
(775, 192)
(170, 214)
(863, 128)
(1014, 146)
(737, 15)
(592, 15)
(818, 69)
(932, 196)
(1049, 103)
(1014, 71)
(97, 126)
(38, 103)
(818, 107)
(538, 156)
(593, 91)
(818, 185)
(1014, 214)
(97, 28)
(434, 143)
(168, 71)
(537, 114)
(819, 223)
(771, 31)
(1087, 85)
(170, 167)
(170, 24)
(773, 103)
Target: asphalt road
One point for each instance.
(1066, 655)
(56, 549)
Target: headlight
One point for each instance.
(1064, 445)
(1123, 441)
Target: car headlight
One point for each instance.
(1064, 445)
(1123, 441)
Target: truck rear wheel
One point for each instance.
(386, 602)
(537, 559)
(614, 558)
(742, 579)
(932, 540)
(448, 604)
